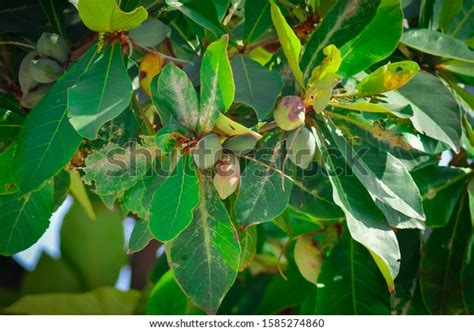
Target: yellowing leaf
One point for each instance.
(319, 93)
(330, 64)
(289, 42)
(106, 16)
(150, 66)
(387, 78)
(308, 258)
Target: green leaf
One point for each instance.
(78, 191)
(47, 140)
(97, 263)
(308, 257)
(397, 110)
(442, 122)
(113, 169)
(205, 256)
(349, 282)
(171, 209)
(102, 301)
(248, 245)
(7, 182)
(468, 268)
(365, 223)
(101, 94)
(166, 297)
(289, 42)
(51, 276)
(140, 237)
(437, 43)
(388, 77)
(312, 194)
(344, 21)
(367, 47)
(175, 97)
(202, 12)
(440, 186)
(386, 179)
(138, 198)
(257, 20)
(106, 16)
(251, 79)
(264, 192)
(385, 140)
(24, 218)
(448, 13)
(217, 84)
(442, 262)
(20, 16)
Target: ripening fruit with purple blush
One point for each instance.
(290, 113)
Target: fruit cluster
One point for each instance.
(300, 144)
(289, 115)
(41, 67)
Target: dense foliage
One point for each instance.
(283, 153)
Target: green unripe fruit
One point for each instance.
(241, 144)
(27, 82)
(289, 114)
(52, 45)
(150, 33)
(227, 177)
(45, 70)
(29, 99)
(300, 147)
(207, 151)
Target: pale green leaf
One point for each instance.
(289, 42)
(217, 84)
(106, 16)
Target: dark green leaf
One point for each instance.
(251, 79)
(171, 209)
(54, 11)
(442, 262)
(312, 194)
(365, 223)
(101, 94)
(140, 237)
(342, 23)
(202, 12)
(47, 140)
(24, 218)
(349, 282)
(7, 184)
(20, 16)
(386, 179)
(248, 246)
(442, 122)
(257, 20)
(205, 256)
(264, 191)
(440, 186)
(368, 48)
